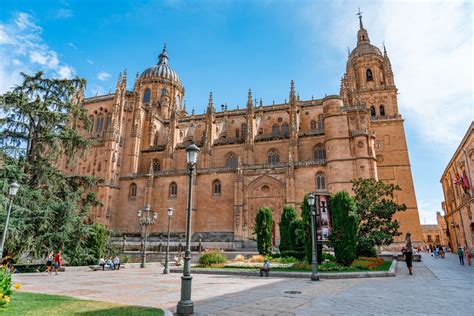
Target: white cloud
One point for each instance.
(102, 76)
(65, 72)
(63, 13)
(23, 49)
(72, 45)
(90, 61)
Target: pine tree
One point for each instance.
(344, 227)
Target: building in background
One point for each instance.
(259, 156)
(443, 230)
(458, 193)
(431, 235)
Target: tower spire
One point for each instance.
(362, 34)
(163, 58)
(361, 25)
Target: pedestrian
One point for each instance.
(102, 263)
(57, 262)
(110, 264)
(49, 263)
(436, 252)
(461, 256)
(265, 269)
(409, 253)
(116, 263)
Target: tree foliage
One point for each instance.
(263, 230)
(344, 227)
(375, 206)
(39, 136)
(287, 217)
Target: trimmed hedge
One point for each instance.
(213, 257)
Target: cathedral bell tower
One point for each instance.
(368, 82)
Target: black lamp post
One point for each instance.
(313, 210)
(185, 305)
(146, 221)
(167, 270)
(11, 194)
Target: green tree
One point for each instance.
(305, 233)
(263, 230)
(287, 217)
(296, 235)
(375, 208)
(344, 227)
(38, 136)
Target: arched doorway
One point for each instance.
(265, 191)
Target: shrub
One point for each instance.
(344, 228)
(263, 230)
(288, 260)
(296, 237)
(366, 263)
(366, 249)
(287, 217)
(301, 266)
(212, 257)
(257, 258)
(328, 256)
(293, 253)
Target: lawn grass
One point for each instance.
(24, 303)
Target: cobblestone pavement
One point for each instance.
(438, 286)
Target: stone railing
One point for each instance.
(385, 117)
(352, 108)
(313, 132)
(359, 132)
(228, 141)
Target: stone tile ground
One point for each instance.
(438, 286)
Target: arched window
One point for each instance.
(156, 166)
(132, 191)
(244, 129)
(320, 122)
(100, 122)
(319, 152)
(285, 130)
(313, 124)
(237, 133)
(231, 161)
(147, 96)
(107, 121)
(320, 182)
(382, 110)
(368, 75)
(273, 157)
(216, 187)
(178, 100)
(99, 166)
(173, 189)
(164, 92)
(91, 118)
(275, 130)
(372, 111)
(155, 139)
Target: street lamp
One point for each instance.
(146, 221)
(167, 270)
(185, 305)
(314, 265)
(11, 194)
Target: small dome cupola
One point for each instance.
(162, 70)
(363, 42)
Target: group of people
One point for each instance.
(112, 264)
(53, 262)
(463, 252)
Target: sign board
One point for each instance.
(323, 222)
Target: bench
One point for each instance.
(99, 268)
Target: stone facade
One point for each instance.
(262, 155)
(431, 235)
(458, 201)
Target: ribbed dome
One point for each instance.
(365, 49)
(162, 70)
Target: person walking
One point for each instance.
(461, 256)
(116, 263)
(49, 263)
(409, 253)
(57, 262)
(468, 256)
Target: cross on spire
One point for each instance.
(360, 18)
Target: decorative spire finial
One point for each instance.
(163, 58)
(384, 49)
(360, 19)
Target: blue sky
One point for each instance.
(228, 47)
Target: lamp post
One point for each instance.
(11, 194)
(185, 305)
(146, 221)
(314, 265)
(167, 270)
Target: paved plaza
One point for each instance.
(423, 293)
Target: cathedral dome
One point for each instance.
(365, 49)
(162, 70)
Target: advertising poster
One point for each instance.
(323, 223)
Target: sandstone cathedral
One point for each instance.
(257, 156)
